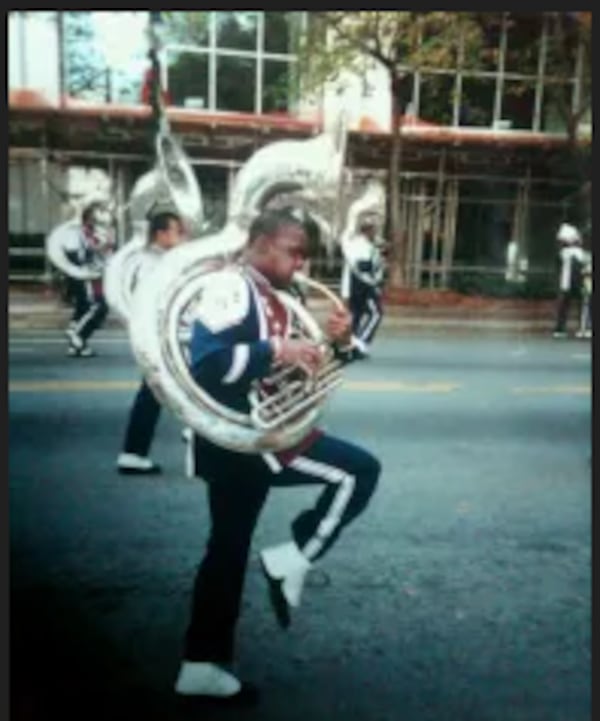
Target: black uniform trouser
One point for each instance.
(141, 425)
(238, 485)
(366, 310)
(89, 307)
(586, 312)
(563, 306)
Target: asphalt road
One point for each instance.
(462, 593)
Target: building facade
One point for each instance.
(485, 158)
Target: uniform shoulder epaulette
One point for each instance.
(224, 300)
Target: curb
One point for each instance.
(55, 321)
(26, 313)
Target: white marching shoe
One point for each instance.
(208, 682)
(131, 463)
(361, 349)
(285, 569)
(205, 679)
(75, 340)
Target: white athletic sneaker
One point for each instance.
(287, 564)
(133, 464)
(75, 340)
(205, 679)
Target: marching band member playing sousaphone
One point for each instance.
(363, 269)
(361, 287)
(166, 230)
(79, 250)
(165, 205)
(163, 215)
(239, 332)
(251, 382)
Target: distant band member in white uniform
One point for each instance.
(362, 280)
(571, 259)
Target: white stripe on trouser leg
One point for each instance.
(565, 274)
(375, 315)
(85, 318)
(332, 518)
(271, 460)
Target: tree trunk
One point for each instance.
(397, 258)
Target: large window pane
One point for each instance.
(236, 82)
(523, 43)
(562, 47)
(484, 222)
(105, 55)
(237, 30)
(277, 86)
(517, 103)
(213, 180)
(188, 78)
(436, 98)
(405, 93)
(555, 103)
(185, 28)
(477, 102)
(544, 219)
(281, 32)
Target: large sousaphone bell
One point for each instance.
(170, 185)
(206, 271)
(67, 233)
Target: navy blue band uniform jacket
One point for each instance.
(230, 343)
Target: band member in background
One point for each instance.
(571, 259)
(585, 321)
(361, 286)
(79, 251)
(239, 333)
(165, 231)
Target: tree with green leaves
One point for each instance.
(403, 43)
(86, 69)
(185, 28)
(569, 55)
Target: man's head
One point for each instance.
(277, 245)
(96, 213)
(368, 227)
(166, 230)
(568, 235)
(97, 219)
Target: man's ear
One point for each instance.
(262, 243)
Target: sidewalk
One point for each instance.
(41, 308)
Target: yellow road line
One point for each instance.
(16, 343)
(585, 389)
(90, 385)
(41, 386)
(400, 386)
